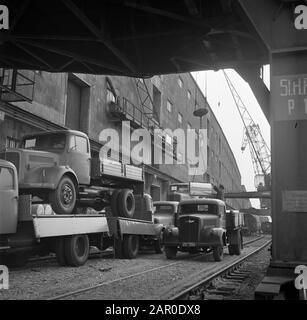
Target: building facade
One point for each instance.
(91, 103)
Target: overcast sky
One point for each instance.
(224, 108)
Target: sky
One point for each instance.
(213, 85)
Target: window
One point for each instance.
(169, 106)
(180, 83)
(175, 142)
(156, 97)
(53, 141)
(6, 179)
(78, 144)
(12, 142)
(179, 117)
(168, 139)
(189, 94)
(111, 95)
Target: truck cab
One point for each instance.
(165, 212)
(52, 166)
(203, 225)
(8, 198)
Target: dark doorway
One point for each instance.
(155, 193)
(73, 107)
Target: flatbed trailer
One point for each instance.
(25, 231)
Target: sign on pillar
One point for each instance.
(290, 99)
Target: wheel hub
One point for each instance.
(67, 194)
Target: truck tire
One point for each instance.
(218, 253)
(60, 251)
(77, 249)
(158, 245)
(63, 198)
(131, 245)
(126, 204)
(114, 203)
(170, 252)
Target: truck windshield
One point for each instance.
(55, 141)
(199, 208)
(164, 209)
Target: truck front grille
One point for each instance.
(189, 229)
(13, 157)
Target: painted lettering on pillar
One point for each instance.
(289, 97)
(300, 21)
(4, 17)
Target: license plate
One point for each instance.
(189, 244)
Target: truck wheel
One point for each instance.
(131, 246)
(218, 253)
(170, 252)
(158, 245)
(60, 251)
(114, 202)
(126, 203)
(63, 198)
(77, 249)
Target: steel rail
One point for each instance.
(207, 280)
(79, 291)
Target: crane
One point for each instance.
(260, 152)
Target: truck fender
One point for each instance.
(53, 175)
(170, 234)
(46, 177)
(159, 227)
(219, 233)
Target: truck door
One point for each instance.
(222, 215)
(8, 200)
(79, 158)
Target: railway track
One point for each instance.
(232, 273)
(81, 291)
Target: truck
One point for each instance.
(204, 225)
(56, 168)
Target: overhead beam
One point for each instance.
(23, 48)
(20, 13)
(250, 73)
(74, 55)
(192, 8)
(85, 20)
(248, 195)
(167, 14)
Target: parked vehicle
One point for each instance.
(191, 190)
(266, 224)
(204, 225)
(56, 168)
(252, 224)
(165, 212)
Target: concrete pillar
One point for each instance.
(287, 46)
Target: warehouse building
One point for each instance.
(34, 101)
